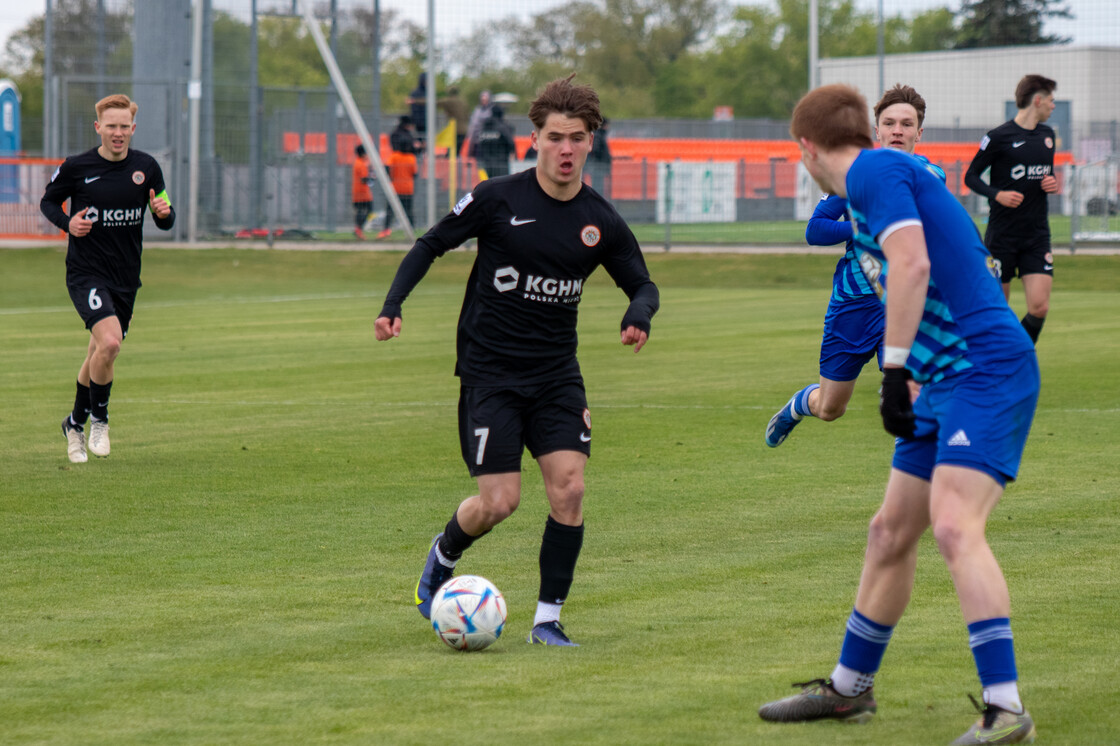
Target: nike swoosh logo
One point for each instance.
(585, 437)
(1018, 144)
(515, 221)
(92, 179)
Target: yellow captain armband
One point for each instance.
(162, 195)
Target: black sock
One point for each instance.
(81, 405)
(99, 399)
(1033, 325)
(560, 547)
(455, 540)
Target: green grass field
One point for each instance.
(752, 232)
(240, 570)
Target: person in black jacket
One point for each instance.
(495, 144)
(110, 188)
(599, 162)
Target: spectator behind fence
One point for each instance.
(456, 110)
(417, 107)
(402, 171)
(480, 114)
(599, 161)
(361, 193)
(495, 145)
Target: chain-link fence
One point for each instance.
(276, 145)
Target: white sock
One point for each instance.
(848, 682)
(443, 560)
(1005, 695)
(546, 613)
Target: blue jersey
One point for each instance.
(967, 321)
(829, 226)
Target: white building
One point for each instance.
(971, 88)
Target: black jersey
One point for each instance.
(1019, 160)
(518, 321)
(117, 194)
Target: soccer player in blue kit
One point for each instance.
(949, 327)
(853, 324)
(541, 233)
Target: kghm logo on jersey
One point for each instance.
(590, 235)
(537, 288)
(115, 218)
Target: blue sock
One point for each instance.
(994, 650)
(801, 400)
(865, 642)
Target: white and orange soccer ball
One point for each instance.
(468, 612)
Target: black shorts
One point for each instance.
(1022, 256)
(95, 301)
(496, 424)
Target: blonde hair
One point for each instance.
(115, 101)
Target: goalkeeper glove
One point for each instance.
(894, 403)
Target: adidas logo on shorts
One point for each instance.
(959, 439)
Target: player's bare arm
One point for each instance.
(1050, 184)
(908, 259)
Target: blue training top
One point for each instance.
(829, 225)
(967, 321)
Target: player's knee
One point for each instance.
(499, 506)
(567, 497)
(108, 349)
(1038, 307)
(886, 541)
(951, 539)
(829, 410)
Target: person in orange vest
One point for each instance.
(360, 191)
(402, 170)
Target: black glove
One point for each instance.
(894, 403)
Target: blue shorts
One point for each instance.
(853, 334)
(974, 419)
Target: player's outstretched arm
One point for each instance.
(385, 328)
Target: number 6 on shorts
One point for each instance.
(94, 299)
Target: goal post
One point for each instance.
(355, 116)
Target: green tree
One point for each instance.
(76, 53)
(933, 30)
(1001, 23)
(759, 65)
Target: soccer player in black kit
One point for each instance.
(540, 233)
(109, 188)
(1020, 154)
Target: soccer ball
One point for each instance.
(468, 612)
